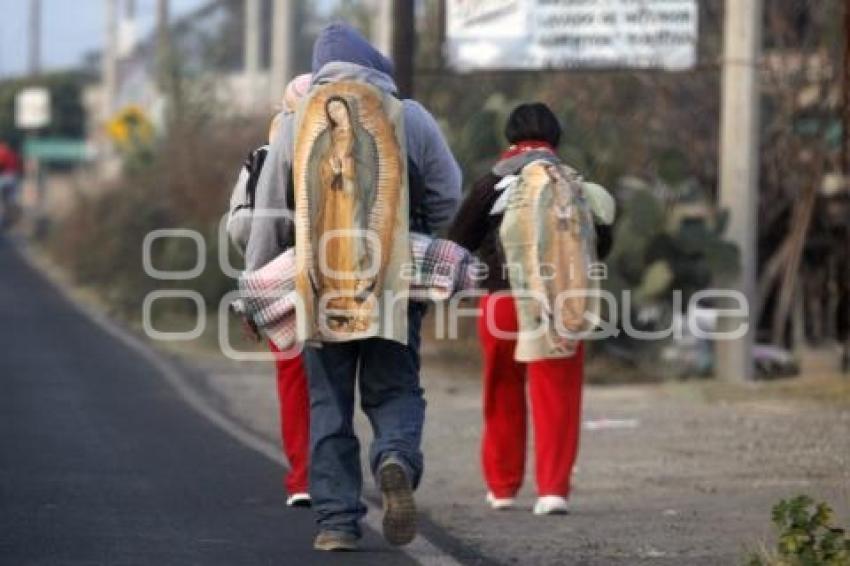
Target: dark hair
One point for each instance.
(534, 121)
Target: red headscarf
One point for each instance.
(527, 145)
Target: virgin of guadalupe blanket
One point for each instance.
(351, 214)
(548, 237)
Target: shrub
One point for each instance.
(807, 536)
(185, 183)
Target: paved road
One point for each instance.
(102, 463)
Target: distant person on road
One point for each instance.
(291, 377)
(356, 169)
(554, 383)
(11, 171)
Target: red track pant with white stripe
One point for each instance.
(555, 388)
(294, 419)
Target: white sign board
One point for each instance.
(32, 108)
(597, 34)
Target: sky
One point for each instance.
(70, 29)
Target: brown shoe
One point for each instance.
(399, 506)
(335, 541)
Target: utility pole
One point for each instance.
(163, 48)
(441, 23)
(251, 49)
(127, 30)
(283, 47)
(35, 38)
(739, 169)
(845, 140)
(404, 39)
(35, 169)
(845, 169)
(109, 61)
(383, 36)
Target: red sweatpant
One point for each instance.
(294, 419)
(555, 387)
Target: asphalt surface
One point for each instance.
(102, 463)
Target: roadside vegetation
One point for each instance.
(807, 536)
(180, 179)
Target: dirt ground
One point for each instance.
(667, 474)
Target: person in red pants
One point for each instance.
(555, 385)
(294, 424)
(292, 389)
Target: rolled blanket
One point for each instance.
(441, 268)
(268, 297)
(438, 270)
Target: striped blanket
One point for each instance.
(438, 270)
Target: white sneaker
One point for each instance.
(500, 503)
(550, 505)
(299, 500)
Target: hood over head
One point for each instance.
(341, 43)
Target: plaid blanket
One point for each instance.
(439, 269)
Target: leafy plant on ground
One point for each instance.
(807, 536)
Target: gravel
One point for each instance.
(664, 475)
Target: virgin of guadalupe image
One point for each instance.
(347, 192)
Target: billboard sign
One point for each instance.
(32, 108)
(595, 34)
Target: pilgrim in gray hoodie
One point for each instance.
(342, 54)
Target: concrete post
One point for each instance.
(383, 27)
(739, 167)
(127, 30)
(283, 47)
(109, 61)
(35, 38)
(251, 49)
(164, 62)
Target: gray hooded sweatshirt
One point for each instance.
(272, 227)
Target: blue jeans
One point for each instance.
(390, 396)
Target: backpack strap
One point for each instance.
(254, 165)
